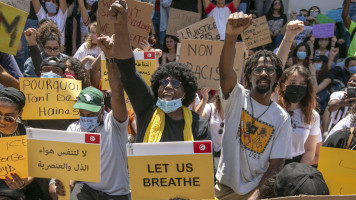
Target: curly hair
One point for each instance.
(252, 62)
(79, 70)
(308, 103)
(48, 31)
(181, 72)
(89, 41)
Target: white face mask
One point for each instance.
(50, 75)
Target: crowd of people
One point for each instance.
(297, 94)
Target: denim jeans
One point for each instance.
(242, 7)
(262, 7)
(82, 191)
(277, 40)
(156, 22)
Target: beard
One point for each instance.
(263, 90)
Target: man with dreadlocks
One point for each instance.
(257, 135)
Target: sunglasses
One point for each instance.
(221, 130)
(9, 119)
(314, 10)
(277, 3)
(259, 70)
(174, 83)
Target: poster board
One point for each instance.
(13, 157)
(257, 34)
(335, 15)
(50, 98)
(323, 30)
(167, 170)
(23, 5)
(202, 30)
(323, 19)
(338, 169)
(178, 19)
(203, 58)
(64, 155)
(139, 20)
(12, 23)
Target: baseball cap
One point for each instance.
(321, 58)
(90, 99)
(53, 61)
(298, 178)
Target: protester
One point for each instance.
(75, 69)
(276, 20)
(55, 10)
(12, 102)
(161, 111)
(301, 55)
(246, 166)
(169, 49)
(313, 11)
(350, 27)
(296, 94)
(221, 13)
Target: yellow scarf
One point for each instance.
(155, 128)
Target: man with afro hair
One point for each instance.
(161, 111)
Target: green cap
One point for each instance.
(90, 99)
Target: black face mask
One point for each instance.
(295, 93)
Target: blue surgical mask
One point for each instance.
(318, 66)
(169, 106)
(50, 75)
(89, 123)
(301, 55)
(51, 7)
(352, 70)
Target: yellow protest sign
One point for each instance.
(104, 73)
(338, 169)
(12, 22)
(171, 169)
(50, 98)
(64, 155)
(203, 58)
(257, 34)
(13, 156)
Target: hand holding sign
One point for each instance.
(237, 23)
(30, 35)
(16, 182)
(294, 28)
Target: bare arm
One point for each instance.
(293, 28)
(36, 5)
(237, 23)
(336, 103)
(316, 157)
(345, 16)
(7, 80)
(199, 6)
(83, 13)
(63, 5)
(236, 3)
(200, 107)
(95, 75)
(309, 146)
(323, 84)
(74, 36)
(206, 3)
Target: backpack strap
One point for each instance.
(350, 137)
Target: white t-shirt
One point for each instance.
(113, 166)
(245, 156)
(220, 16)
(84, 51)
(339, 114)
(301, 131)
(215, 125)
(342, 124)
(59, 19)
(301, 36)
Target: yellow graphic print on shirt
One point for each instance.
(254, 135)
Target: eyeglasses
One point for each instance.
(314, 10)
(174, 83)
(259, 70)
(9, 119)
(49, 49)
(221, 130)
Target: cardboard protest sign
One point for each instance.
(203, 30)
(323, 30)
(178, 19)
(203, 58)
(335, 15)
(104, 73)
(338, 169)
(257, 34)
(139, 20)
(23, 5)
(171, 169)
(323, 19)
(50, 98)
(13, 157)
(12, 22)
(64, 155)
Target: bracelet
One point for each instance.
(110, 61)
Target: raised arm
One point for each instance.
(236, 24)
(83, 13)
(206, 3)
(345, 15)
(36, 5)
(63, 6)
(95, 72)
(7, 80)
(293, 28)
(118, 104)
(199, 5)
(34, 50)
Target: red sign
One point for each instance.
(149, 55)
(92, 138)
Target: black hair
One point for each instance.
(307, 47)
(12, 103)
(316, 44)
(348, 60)
(253, 60)
(79, 70)
(48, 31)
(313, 7)
(92, 12)
(281, 9)
(183, 73)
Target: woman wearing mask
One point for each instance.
(296, 94)
(313, 11)
(55, 10)
(169, 49)
(322, 46)
(89, 50)
(301, 55)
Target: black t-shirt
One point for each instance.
(188, 5)
(339, 139)
(143, 102)
(276, 23)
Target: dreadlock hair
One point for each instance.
(308, 103)
(252, 62)
(180, 71)
(79, 70)
(48, 31)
